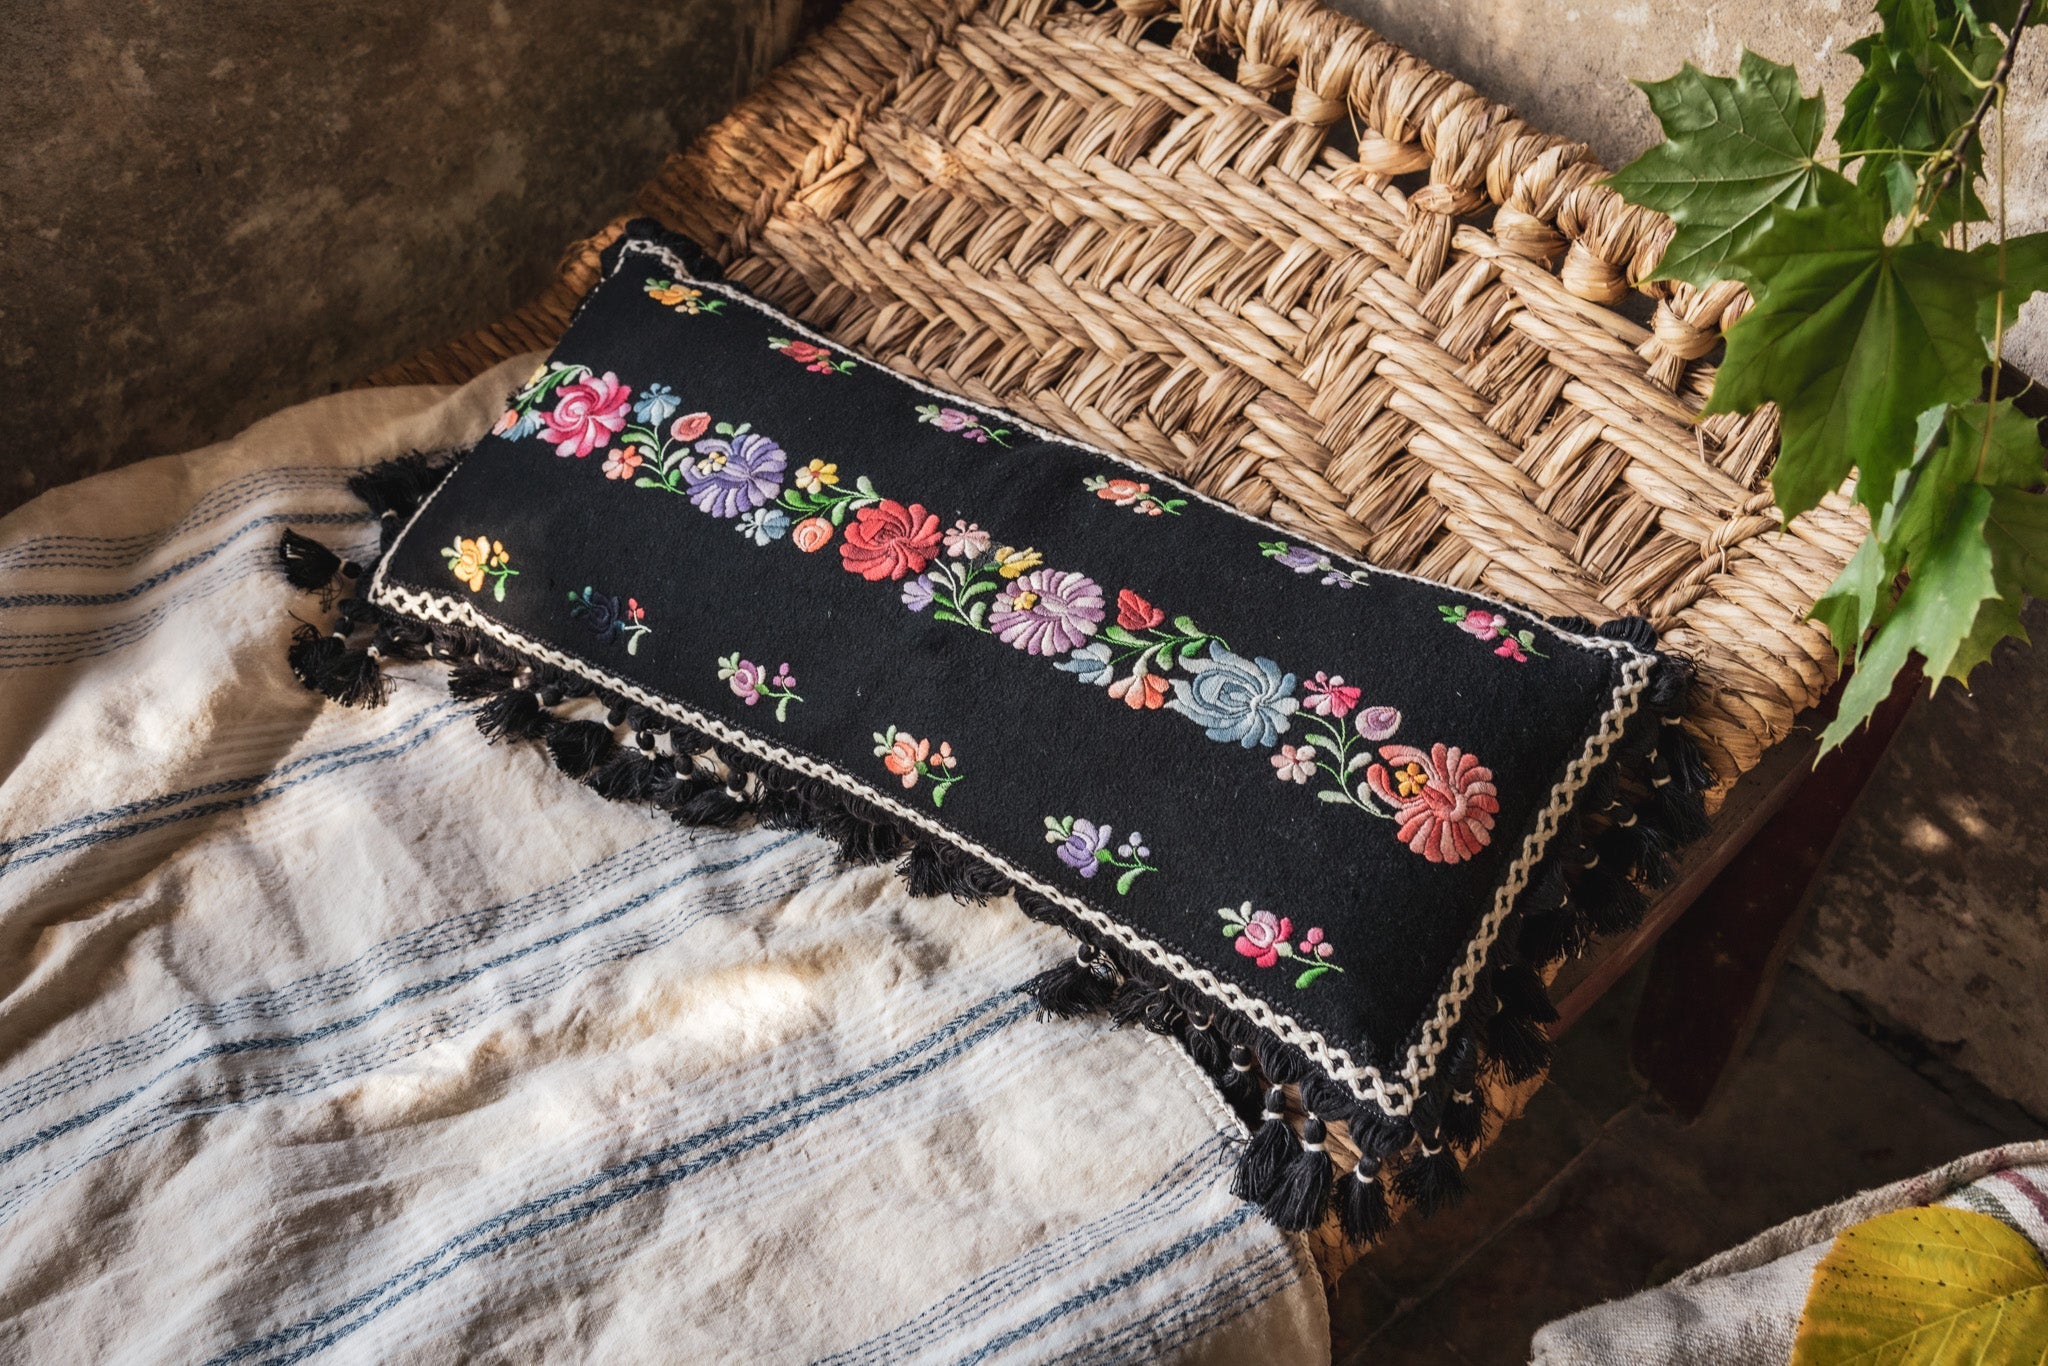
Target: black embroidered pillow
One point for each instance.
(1321, 821)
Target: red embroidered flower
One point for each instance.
(811, 534)
(1262, 937)
(1122, 492)
(690, 426)
(586, 414)
(1485, 625)
(1330, 696)
(1445, 800)
(802, 351)
(890, 541)
(1133, 613)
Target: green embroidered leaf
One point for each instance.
(1308, 978)
(1926, 1287)
(1185, 624)
(1327, 795)
(1853, 337)
(1232, 931)
(1735, 148)
(643, 482)
(1123, 884)
(1935, 615)
(1117, 635)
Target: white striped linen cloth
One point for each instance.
(345, 1035)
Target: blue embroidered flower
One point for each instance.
(527, 425)
(1234, 698)
(657, 401)
(917, 593)
(765, 525)
(1300, 559)
(1091, 664)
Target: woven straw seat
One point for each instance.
(1253, 244)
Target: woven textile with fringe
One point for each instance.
(1259, 247)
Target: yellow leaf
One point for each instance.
(1926, 1287)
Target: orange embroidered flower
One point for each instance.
(812, 533)
(1123, 492)
(1140, 692)
(905, 756)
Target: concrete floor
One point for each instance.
(1598, 1191)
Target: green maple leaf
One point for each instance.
(2023, 268)
(2018, 532)
(1923, 73)
(1935, 615)
(1735, 148)
(1853, 337)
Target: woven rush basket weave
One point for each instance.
(1253, 244)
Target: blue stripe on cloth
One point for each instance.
(1122, 1281)
(72, 551)
(41, 649)
(1193, 1176)
(144, 805)
(443, 714)
(735, 1137)
(375, 1053)
(463, 931)
(1197, 1312)
(190, 562)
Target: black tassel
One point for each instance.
(1547, 936)
(1682, 815)
(627, 776)
(720, 805)
(934, 869)
(325, 663)
(514, 715)
(1688, 766)
(1083, 985)
(1241, 1083)
(395, 488)
(1204, 1044)
(1671, 686)
(1520, 991)
(1144, 1003)
(1362, 1204)
(579, 746)
(1283, 1064)
(1431, 1179)
(1517, 1046)
(1302, 1196)
(1634, 630)
(1272, 1148)
(308, 564)
(1465, 1116)
(472, 681)
(1609, 902)
(861, 839)
(1638, 846)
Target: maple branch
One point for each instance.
(1953, 158)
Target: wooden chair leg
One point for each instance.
(1712, 972)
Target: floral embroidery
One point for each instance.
(588, 409)
(1263, 937)
(1130, 493)
(1445, 799)
(910, 759)
(1302, 560)
(609, 620)
(1139, 640)
(1044, 613)
(763, 525)
(1328, 702)
(813, 358)
(750, 682)
(968, 425)
(474, 559)
(890, 541)
(1047, 611)
(1490, 626)
(1236, 699)
(682, 298)
(655, 404)
(1084, 846)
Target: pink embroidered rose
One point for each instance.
(1485, 625)
(1330, 695)
(1445, 800)
(746, 681)
(1262, 937)
(586, 415)
(803, 351)
(690, 426)
(1510, 648)
(811, 534)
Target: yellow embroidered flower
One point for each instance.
(467, 559)
(1010, 561)
(816, 475)
(680, 296)
(1410, 780)
(499, 559)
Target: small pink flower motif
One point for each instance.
(1329, 695)
(1262, 936)
(1485, 625)
(783, 677)
(952, 420)
(634, 611)
(1377, 723)
(1295, 763)
(942, 757)
(507, 422)
(965, 540)
(587, 414)
(746, 681)
(622, 463)
(823, 367)
(690, 426)
(1313, 942)
(1510, 648)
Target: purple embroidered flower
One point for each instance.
(1048, 611)
(1083, 842)
(952, 420)
(734, 474)
(1377, 723)
(746, 679)
(1300, 559)
(917, 593)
